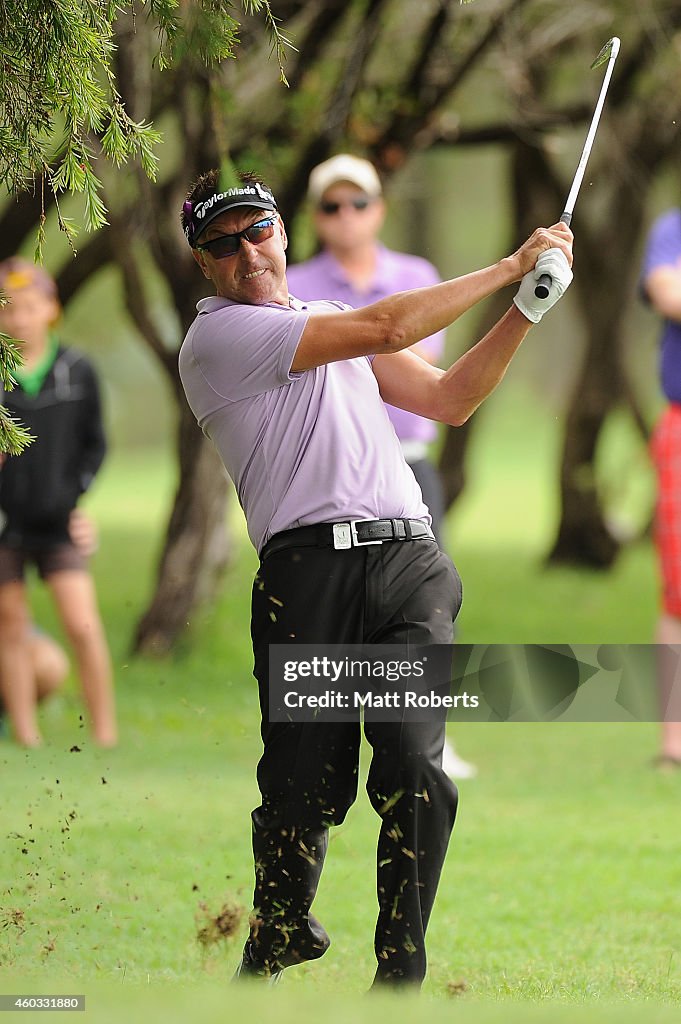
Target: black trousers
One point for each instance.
(396, 592)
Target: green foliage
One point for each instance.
(60, 108)
(10, 357)
(57, 77)
(280, 42)
(208, 31)
(13, 436)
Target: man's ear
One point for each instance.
(284, 236)
(198, 256)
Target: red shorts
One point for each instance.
(665, 448)
(48, 560)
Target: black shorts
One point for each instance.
(48, 559)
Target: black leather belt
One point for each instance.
(350, 534)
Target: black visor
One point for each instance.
(198, 215)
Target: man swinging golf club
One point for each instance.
(290, 393)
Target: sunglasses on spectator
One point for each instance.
(361, 203)
(228, 245)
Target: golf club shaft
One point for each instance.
(544, 282)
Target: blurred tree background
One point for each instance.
(475, 115)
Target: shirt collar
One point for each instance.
(212, 302)
(32, 381)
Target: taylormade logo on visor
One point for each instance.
(201, 209)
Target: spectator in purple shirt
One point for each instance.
(290, 394)
(355, 268)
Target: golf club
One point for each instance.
(609, 52)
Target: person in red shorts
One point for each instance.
(661, 286)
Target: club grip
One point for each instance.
(543, 285)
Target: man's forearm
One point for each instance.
(461, 389)
(418, 314)
(398, 321)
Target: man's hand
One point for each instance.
(558, 236)
(83, 533)
(554, 263)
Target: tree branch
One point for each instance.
(424, 56)
(403, 127)
(445, 133)
(136, 302)
(337, 112)
(324, 21)
(92, 256)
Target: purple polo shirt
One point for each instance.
(301, 448)
(322, 277)
(663, 249)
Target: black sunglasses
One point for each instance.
(360, 203)
(228, 245)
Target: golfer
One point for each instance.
(290, 393)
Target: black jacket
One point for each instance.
(40, 487)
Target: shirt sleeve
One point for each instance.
(245, 351)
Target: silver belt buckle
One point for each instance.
(342, 536)
(355, 539)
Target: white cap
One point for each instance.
(344, 168)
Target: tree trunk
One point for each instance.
(452, 461)
(196, 547)
(604, 281)
(602, 288)
(583, 537)
(531, 204)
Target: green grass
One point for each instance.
(561, 885)
(562, 889)
(503, 527)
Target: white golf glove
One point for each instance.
(553, 262)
